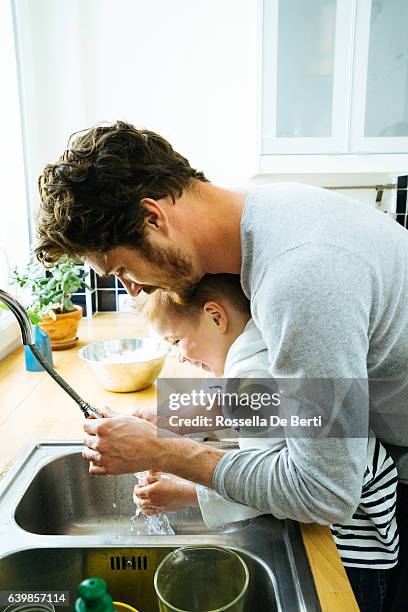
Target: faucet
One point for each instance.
(27, 337)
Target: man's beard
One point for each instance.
(176, 269)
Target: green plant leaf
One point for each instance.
(50, 292)
(55, 296)
(51, 284)
(34, 317)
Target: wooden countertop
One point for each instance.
(33, 406)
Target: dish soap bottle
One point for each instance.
(94, 597)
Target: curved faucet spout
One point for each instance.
(26, 329)
(27, 336)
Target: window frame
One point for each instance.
(17, 217)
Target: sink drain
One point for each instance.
(134, 562)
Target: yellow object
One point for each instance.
(122, 606)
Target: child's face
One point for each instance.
(203, 340)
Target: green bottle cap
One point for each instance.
(93, 596)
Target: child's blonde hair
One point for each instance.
(212, 287)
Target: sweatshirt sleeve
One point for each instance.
(315, 307)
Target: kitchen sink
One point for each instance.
(63, 499)
(128, 571)
(59, 525)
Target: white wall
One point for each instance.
(183, 68)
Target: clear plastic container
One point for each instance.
(197, 578)
(30, 607)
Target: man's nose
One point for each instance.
(131, 287)
(182, 358)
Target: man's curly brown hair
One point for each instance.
(91, 198)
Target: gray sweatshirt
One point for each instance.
(327, 277)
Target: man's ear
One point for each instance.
(156, 215)
(217, 314)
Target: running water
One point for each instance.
(157, 524)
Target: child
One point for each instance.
(214, 330)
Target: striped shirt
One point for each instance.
(370, 538)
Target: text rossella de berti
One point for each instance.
(251, 402)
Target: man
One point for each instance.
(328, 282)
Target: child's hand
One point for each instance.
(148, 414)
(164, 493)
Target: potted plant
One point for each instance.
(50, 304)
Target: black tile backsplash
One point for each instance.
(401, 207)
(105, 283)
(94, 302)
(80, 300)
(101, 294)
(92, 279)
(106, 300)
(107, 292)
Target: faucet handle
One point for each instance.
(90, 411)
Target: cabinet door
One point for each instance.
(380, 82)
(306, 76)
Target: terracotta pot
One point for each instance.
(63, 331)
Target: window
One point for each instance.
(14, 232)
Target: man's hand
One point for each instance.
(164, 493)
(120, 445)
(125, 444)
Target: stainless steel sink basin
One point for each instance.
(59, 525)
(63, 499)
(128, 571)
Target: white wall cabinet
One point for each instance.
(380, 77)
(335, 82)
